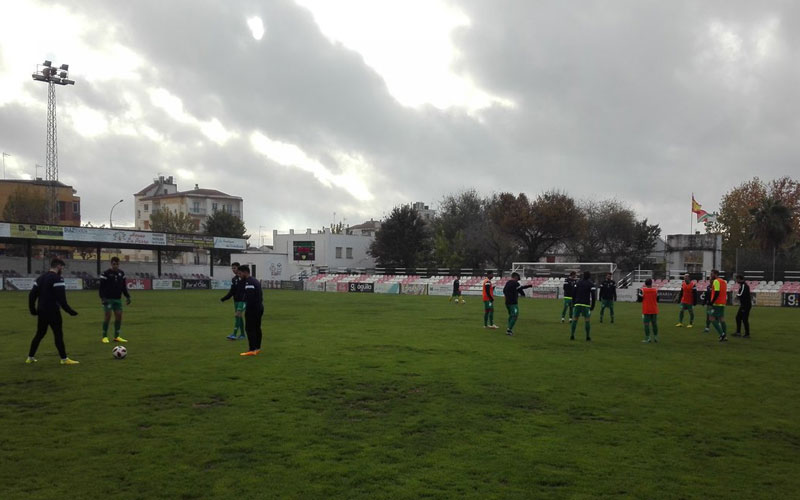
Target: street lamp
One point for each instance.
(4, 163)
(110, 220)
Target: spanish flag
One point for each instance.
(702, 215)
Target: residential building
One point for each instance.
(69, 204)
(198, 203)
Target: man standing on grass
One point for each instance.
(456, 291)
(49, 290)
(745, 304)
(253, 310)
(687, 300)
(649, 298)
(112, 288)
(569, 290)
(511, 292)
(719, 297)
(487, 290)
(709, 306)
(584, 301)
(237, 292)
(608, 295)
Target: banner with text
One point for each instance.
(139, 284)
(165, 284)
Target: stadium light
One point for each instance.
(110, 220)
(49, 74)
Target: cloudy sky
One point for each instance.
(306, 108)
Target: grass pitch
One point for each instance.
(376, 396)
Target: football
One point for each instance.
(119, 352)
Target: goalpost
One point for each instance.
(548, 277)
(562, 269)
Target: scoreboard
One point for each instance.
(303, 250)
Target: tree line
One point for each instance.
(471, 231)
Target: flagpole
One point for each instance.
(691, 217)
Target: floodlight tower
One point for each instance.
(48, 73)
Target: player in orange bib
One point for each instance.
(649, 297)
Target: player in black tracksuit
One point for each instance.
(237, 292)
(584, 299)
(254, 310)
(49, 290)
(511, 292)
(745, 304)
(608, 295)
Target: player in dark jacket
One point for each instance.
(745, 304)
(511, 292)
(608, 295)
(49, 291)
(709, 306)
(112, 288)
(254, 310)
(569, 290)
(584, 299)
(237, 292)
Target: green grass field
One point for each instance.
(375, 396)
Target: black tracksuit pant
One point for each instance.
(52, 320)
(743, 317)
(252, 325)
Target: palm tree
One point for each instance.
(772, 225)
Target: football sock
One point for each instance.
(680, 317)
(655, 329)
(647, 330)
(486, 318)
(512, 320)
(691, 316)
(588, 327)
(717, 327)
(117, 324)
(491, 317)
(572, 328)
(105, 328)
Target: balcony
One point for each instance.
(197, 211)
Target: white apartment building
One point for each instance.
(197, 203)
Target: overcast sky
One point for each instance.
(309, 107)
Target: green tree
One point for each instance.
(403, 240)
(645, 238)
(772, 224)
(460, 231)
(737, 210)
(500, 247)
(227, 225)
(550, 219)
(166, 221)
(25, 205)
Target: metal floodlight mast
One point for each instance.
(52, 76)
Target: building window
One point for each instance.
(349, 253)
(338, 252)
(138, 214)
(76, 208)
(213, 207)
(147, 224)
(146, 207)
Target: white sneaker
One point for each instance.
(494, 327)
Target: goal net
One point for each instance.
(547, 278)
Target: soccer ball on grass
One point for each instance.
(119, 352)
